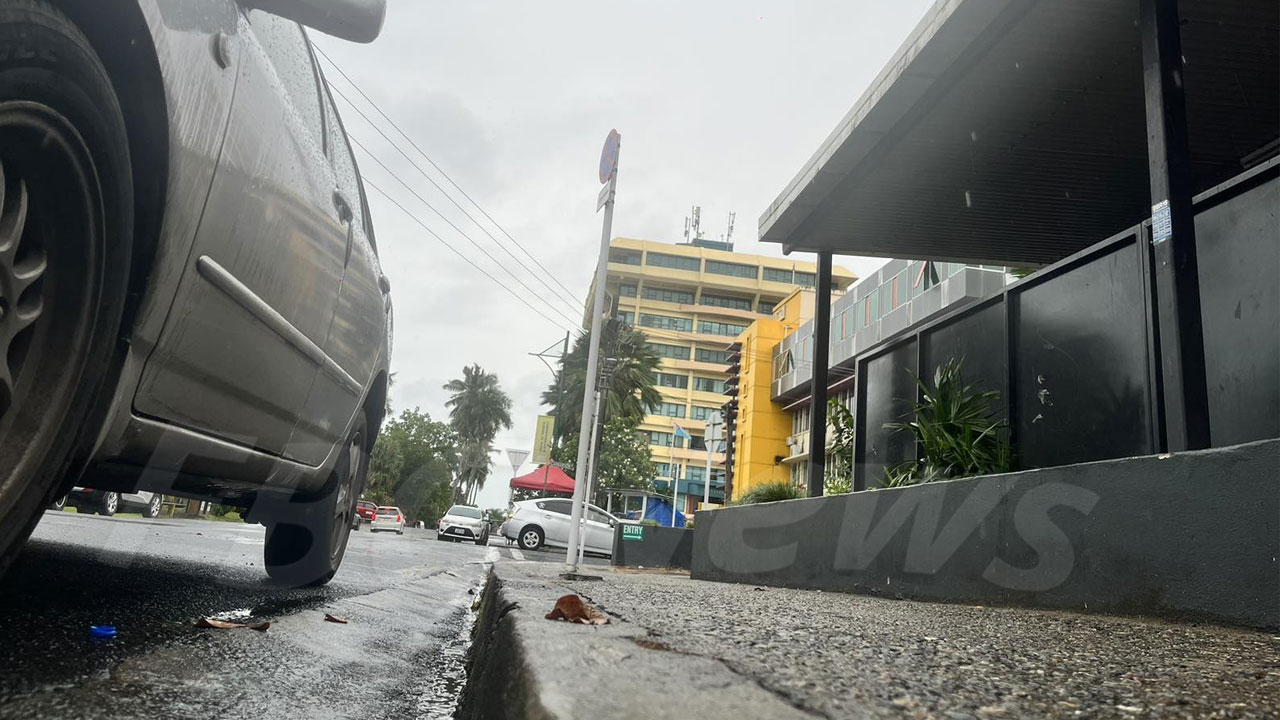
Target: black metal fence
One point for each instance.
(1074, 349)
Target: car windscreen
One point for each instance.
(466, 512)
(388, 511)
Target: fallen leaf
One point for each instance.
(570, 608)
(225, 625)
(336, 619)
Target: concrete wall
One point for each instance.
(1191, 535)
(662, 547)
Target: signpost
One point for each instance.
(608, 178)
(632, 532)
(712, 436)
(543, 438)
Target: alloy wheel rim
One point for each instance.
(112, 502)
(51, 229)
(530, 539)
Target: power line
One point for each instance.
(469, 239)
(415, 218)
(356, 87)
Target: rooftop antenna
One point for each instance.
(686, 229)
(697, 222)
(728, 235)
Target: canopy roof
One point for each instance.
(1014, 131)
(550, 477)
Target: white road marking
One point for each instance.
(492, 556)
(516, 554)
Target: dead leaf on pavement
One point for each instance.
(336, 619)
(225, 625)
(570, 608)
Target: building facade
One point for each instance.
(693, 302)
(774, 368)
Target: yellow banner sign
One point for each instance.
(543, 438)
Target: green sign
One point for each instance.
(632, 532)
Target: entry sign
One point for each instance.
(632, 532)
(609, 156)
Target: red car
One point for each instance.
(365, 511)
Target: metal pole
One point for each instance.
(818, 393)
(675, 486)
(1173, 231)
(591, 461)
(593, 360)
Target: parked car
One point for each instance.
(109, 502)
(365, 512)
(536, 523)
(191, 300)
(463, 522)
(388, 518)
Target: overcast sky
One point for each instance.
(719, 104)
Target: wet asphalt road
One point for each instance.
(408, 599)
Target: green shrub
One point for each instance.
(955, 431)
(770, 492)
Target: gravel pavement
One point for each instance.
(845, 656)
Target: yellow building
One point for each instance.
(693, 302)
(761, 427)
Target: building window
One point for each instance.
(676, 262)
(720, 357)
(708, 385)
(783, 364)
(726, 302)
(665, 439)
(624, 257)
(664, 322)
(626, 317)
(776, 275)
(626, 290)
(672, 352)
(699, 412)
(696, 442)
(732, 269)
(663, 469)
(717, 328)
(666, 295)
(674, 410)
(767, 306)
(671, 380)
(695, 473)
(804, 279)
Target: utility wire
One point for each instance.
(469, 239)
(415, 218)
(438, 169)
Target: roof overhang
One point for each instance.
(1014, 131)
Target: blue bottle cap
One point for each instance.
(102, 631)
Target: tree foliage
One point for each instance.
(478, 409)
(413, 464)
(631, 392)
(839, 477)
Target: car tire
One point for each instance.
(66, 232)
(152, 510)
(108, 504)
(400, 531)
(531, 537)
(307, 536)
(483, 539)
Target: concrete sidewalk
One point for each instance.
(683, 648)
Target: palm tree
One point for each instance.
(631, 393)
(478, 409)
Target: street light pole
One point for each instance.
(609, 176)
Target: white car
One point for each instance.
(546, 522)
(106, 502)
(388, 517)
(463, 522)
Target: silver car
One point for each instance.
(547, 522)
(109, 502)
(190, 296)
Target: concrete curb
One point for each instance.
(524, 666)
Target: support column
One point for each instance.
(818, 395)
(1173, 234)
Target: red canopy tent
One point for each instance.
(550, 477)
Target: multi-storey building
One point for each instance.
(692, 302)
